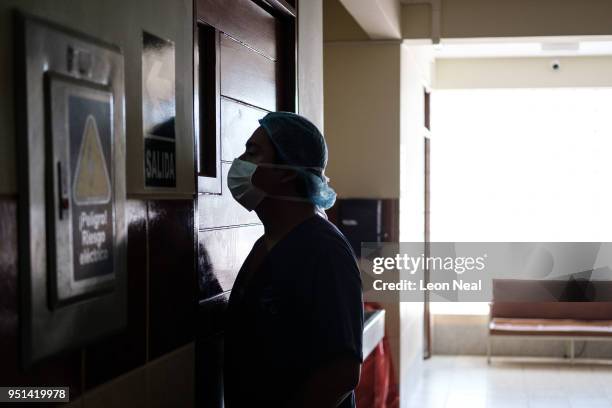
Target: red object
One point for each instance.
(377, 387)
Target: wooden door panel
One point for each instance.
(221, 253)
(244, 55)
(246, 75)
(216, 211)
(243, 20)
(238, 122)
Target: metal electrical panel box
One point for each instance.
(360, 220)
(72, 188)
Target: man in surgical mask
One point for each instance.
(295, 317)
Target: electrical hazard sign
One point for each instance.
(92, 185)
(72, 221)
(92, 182)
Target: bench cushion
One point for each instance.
(553, 310)
(550, 327)
(542, 290)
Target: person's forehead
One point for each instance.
(259, 138)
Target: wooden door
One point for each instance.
(244, 67)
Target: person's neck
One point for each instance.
(280, 217)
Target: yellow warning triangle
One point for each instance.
(91, 183)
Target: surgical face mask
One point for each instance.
(240, 183)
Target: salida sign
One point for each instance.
(158, 111)
(159, 162)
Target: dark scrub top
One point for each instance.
(292, 310)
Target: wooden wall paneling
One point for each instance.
(216, 211)
(207, 108)
(292, 3)
(172, 277)
(61, 370)
(209, 369)
(238, 122)
(287, 69)
(246, 75)
(125, 351)
(221, 253)
(256, 57)
(284, 8)
(244, 20)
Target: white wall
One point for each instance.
(534, 72)
(415, 78)
(310, 60)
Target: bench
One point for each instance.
(551, 309)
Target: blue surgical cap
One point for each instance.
(299, 143)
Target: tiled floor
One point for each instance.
(468, 382)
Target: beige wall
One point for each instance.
(362, 113)
(510, 18)
(519, 18)
(380, 19)
(339, 25)
(523, 72)
(374, 128)
(416, 20)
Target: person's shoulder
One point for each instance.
(325, 237)
(324, 229)
(332, 253)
